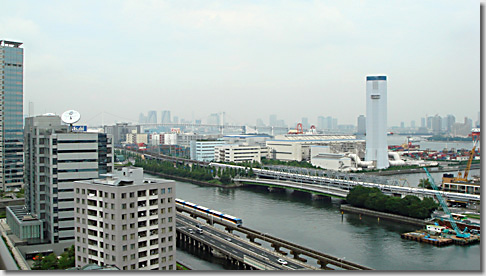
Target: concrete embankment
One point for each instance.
(381, 215)
(203, 183)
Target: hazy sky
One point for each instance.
(248, 58)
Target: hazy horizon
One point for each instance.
(248, 59)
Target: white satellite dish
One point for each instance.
(70, 117)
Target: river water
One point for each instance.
(319, 225)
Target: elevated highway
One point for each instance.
(252, 249)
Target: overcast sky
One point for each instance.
(247, 58)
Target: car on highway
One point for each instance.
(228, 239)
(282, 261)
(190, 230)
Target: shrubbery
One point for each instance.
(374, 199)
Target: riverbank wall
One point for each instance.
(381, 215)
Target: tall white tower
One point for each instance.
(376, 129)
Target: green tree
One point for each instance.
(67, 259)
(425, 183)
(50, 262)
(225, 178)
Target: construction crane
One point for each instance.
(475, 136)
(459, 233)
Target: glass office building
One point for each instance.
(11, 115)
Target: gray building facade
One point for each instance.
(54, 159)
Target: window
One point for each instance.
(125, 258)
(124, 206)
(162, 200)
(132, 225)
(124, 248)
(124, 237)
(132, 236)
(132, 257)
(132, 195)
(169, 190)
(132, 246)
(162, 191)
(170, 219)
(124, 195)
(162, 220)
(112, 195)
(124, 216)
(124, 227)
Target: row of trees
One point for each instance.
(374, 199)
(196, 172)
(52, 261)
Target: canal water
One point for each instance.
(318, 224)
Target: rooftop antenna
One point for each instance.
(70, 117)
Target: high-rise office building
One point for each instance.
(272, 121)
(361, 125)
(305, 123)
(142, 119)
(11, 115)
(165, 119)
(152, 117)
(376, 121)
(126, 220)
(55, 157)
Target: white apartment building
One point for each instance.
(239, 153)
(137, 138)
(126, 220)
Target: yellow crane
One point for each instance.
(475, 135)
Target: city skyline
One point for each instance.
(285, 58)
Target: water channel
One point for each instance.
(318, 224)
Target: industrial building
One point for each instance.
(11, 115)
(297, 147)
(126, 220)
(376, 121)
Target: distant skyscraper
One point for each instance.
(334, 124)
(376, 121)
(422, 122)
(176, 120)
(273, 120)
(165, 117)
(402, 124)
(142, 119)
(305, 123)
(213, 119)
(152, 117)
(321, 122)
(329, 122)
(478, 122)
(361, 125)
(11, 115)
(436, 124)
(412, 124)
(259, 122)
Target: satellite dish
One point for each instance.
(70, 117)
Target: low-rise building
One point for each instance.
(239, 153)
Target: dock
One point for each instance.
(443, 239)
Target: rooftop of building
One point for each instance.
(21, 213)
(124, 177)
(314, 137)
(8, 43)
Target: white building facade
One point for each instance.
(126, 220)
(239, 153)
(376, 121)
(204, 150)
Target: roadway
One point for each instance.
(234, 245)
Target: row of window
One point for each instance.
(140, 203)
(142, 264)
(124, 247)
(140, 214)
(151, 192)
